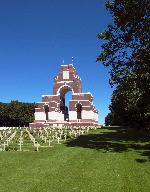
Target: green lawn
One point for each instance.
(109, 159)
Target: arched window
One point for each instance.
(79, 111)
(46, 108)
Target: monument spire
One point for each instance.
(72, 59)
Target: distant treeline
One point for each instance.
(16, 113)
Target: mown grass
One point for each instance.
(106, 160)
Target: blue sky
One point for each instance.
(37, 35)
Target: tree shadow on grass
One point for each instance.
(114, 139)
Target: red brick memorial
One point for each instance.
(52, 111)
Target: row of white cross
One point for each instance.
(46, 134)
(8, 140)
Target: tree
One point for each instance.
(127, 40)
(126, 51)
(109, 119)
(3, 114)
(128, 106)
(16, 113)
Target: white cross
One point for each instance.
(20, 139)
(4, 145)
(65, 136)
(37, 145)
(49, 143)
(42, 137)
(58, 140)
(20, 145)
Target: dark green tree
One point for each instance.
(16, 113)
(109, 119)
(3, 114)
(129, 106)
(126, 51)
(127, 40)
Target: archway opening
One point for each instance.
(79, 110)
(65, 97)
(46, 108)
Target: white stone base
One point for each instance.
(72, 115)
(55, 116)
(89, 115)
(58, 116)
(84, 115)
(40, 116)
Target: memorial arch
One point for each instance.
(52, 109)
(63, 107)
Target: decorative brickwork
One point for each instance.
(52, 109)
